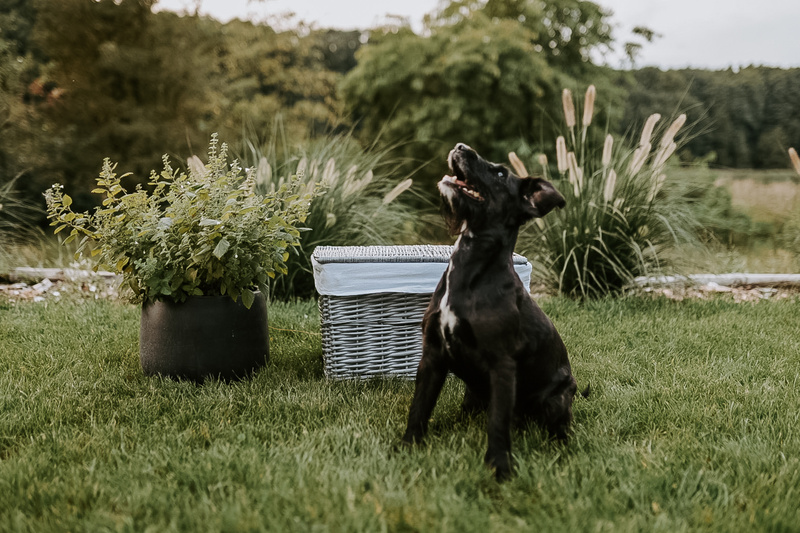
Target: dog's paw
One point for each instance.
(410, 439)
(503, 466)
(503, 474)
(403, 445)
(399, 446)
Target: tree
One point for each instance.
(20, 63)
(337, 48)
(109, 78)
(565, 32)
(266, 74)
(486, 72)
(17, 18)
(478, 81)
(114, 87)
(747, 119)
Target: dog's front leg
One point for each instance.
(501, 410)
(431, 375)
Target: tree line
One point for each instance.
(81, 80)
(743, 119)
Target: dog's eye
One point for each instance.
(500, 174)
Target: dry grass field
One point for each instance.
(764, 195)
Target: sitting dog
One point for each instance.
(481, 323)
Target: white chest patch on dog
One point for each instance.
(447, 319)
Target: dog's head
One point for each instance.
(481, 193)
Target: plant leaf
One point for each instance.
(264, 289)
(248, 297)
(222, 247)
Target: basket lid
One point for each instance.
(351, 270)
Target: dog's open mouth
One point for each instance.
(457, 180)
(464, 187)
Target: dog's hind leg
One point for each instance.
(474, 402)
(431, 375)
(501, 410)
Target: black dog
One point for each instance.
(482, 324)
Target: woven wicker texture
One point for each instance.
(372, 335)
(421, 253)
(376, 335)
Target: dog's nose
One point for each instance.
(461, 147)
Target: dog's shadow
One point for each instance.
(531, 438)
(472, 423)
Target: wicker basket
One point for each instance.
(372, 299)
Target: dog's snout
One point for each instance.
(461, 147)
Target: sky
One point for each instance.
(710, 34)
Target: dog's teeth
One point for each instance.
(472, 193)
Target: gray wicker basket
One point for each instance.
(372, 326)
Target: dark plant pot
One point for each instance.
(204, 336)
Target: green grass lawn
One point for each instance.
(693, 424)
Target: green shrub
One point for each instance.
(196, 233)
(621, 212)
(360, 206)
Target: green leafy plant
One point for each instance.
(201, 232)
(362, 205)
(621, 214)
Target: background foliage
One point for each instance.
(749, 117)
(131, 85)
(432, 89)
(115, 89)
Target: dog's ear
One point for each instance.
(539, 197)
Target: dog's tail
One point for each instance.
(585, 392)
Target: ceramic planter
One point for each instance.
(205, 336)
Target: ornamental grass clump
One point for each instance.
(620, 214)
(195, 233)
(363, 202)
(17, 219)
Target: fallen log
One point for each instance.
(725, 280)
(22, 274)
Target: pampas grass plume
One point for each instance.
(608, 148)
(569, 108)
(676, 125)
(588, 105)
(561, 154)
(399, 189)
(611, 183)
(647, 131)
(795, 159)
(638, 159)
(542, 160)
(517, 165)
